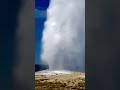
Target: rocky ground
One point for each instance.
(73, 81)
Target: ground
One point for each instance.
(74, 81)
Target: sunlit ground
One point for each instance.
(59, 80)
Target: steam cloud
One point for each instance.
(63, 41)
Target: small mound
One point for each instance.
(53, 72)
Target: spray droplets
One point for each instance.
(63, 42)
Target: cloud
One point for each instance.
(40, 14)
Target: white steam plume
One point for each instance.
(64, 35)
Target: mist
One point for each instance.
(63, 41)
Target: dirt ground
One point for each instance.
(74, 81)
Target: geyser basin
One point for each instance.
(59, 80)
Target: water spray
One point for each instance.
(63, 42)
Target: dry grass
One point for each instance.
(75, 81)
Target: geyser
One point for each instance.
(63, 42)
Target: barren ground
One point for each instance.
(74, 81)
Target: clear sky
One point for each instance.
(40, 17)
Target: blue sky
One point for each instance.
(40, 17)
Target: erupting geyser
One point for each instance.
(63, 42)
